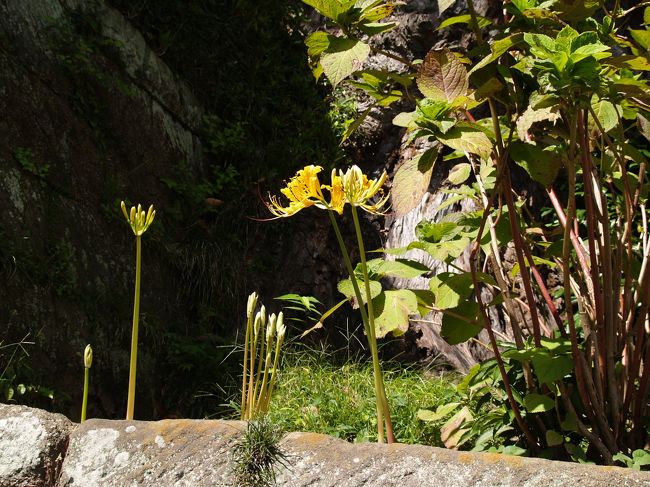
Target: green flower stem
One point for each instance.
(130, 404)
(84, 402)
(244, 395)
(372, 338)
(381, 404)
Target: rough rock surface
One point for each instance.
(32, 446)
(199, 453)
(169, 452)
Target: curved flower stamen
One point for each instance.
(302, 190)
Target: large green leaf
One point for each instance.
(542, 165)
(317, 43)
(331, 8)
(442, 76)
(498, 48)
(434, 232)
(392, 311)
(345, 287)
(531, 116)
(441, 412)
(459, 173)
(450, 289)
(548, 368)
(343, 57)
(464, 19)
(467, 139)
(606, 113)
(537, 403)
(442, 251)
(461, 323)
(411, 181)
(402, 268)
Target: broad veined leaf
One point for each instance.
(406, 120)
(542, 165)
(443, 251)
(459, 173)
(377, 12)
(642, 37)
(606, 113)
(574, 10)
(402, 268)
(374, 28)
(342, 58)
(331, 8)
(434, 232)
(442, 76)
(411, 181)
(549, 368)
(441, 412)
(345, 287)
(636, 63)
(537, 403)
(467, 139)
(553, 438)
(450, 289)
(392, 311)
(531, 116)
(317, 43)
(461, 323)
(498, 48)
(425, 300)
(464, 19)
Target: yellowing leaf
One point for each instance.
(346, 288)
(442, 76)
(343, 58)
(459, 173)
(467, 139)
(411, 181)
(531, 116)
(392, 311)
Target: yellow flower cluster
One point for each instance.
(138, 219)
(352, 186)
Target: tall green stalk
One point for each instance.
(88, 360)
(130, 402)
(139, 222)
(368, 319)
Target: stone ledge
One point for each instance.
(198, 453)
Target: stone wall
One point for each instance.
(40, 449)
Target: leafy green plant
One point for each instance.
(258, 454)
(264, 338)
(638, 460)
(568, 103)
(88, 362)
(139, 221)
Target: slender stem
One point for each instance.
(364, 318)
(84, 402)
(130, 404)
(249, 325)
(372, 338)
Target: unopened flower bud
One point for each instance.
(88, 356)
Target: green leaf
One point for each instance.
(392, 311)
(537, 403)
(531, 116)
(406, 120)
(442, 251)
(345, 287)
(330, 8)
(402, 268)
(463, 324)
(440, 413)
(549, 368)
(356, 124)
(606, 113)
(444, 5)
(459, 173)
(450, 289)
(317, 43)
(377, 12)
(342, 58)
(570, 422)
(374, 28)
(425, 300)
(467, 139)
(490, 88)
(411, 181)
(553, 438)
(636, 63)
(434, 232)
(542, 165)
(498, 48)
(442, 76)
(646, 16)
(464, 19)
(642, 37)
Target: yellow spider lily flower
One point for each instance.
(337, 195)
(360, 191)
(138, 219)
(302, 190)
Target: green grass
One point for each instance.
(315, 393)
